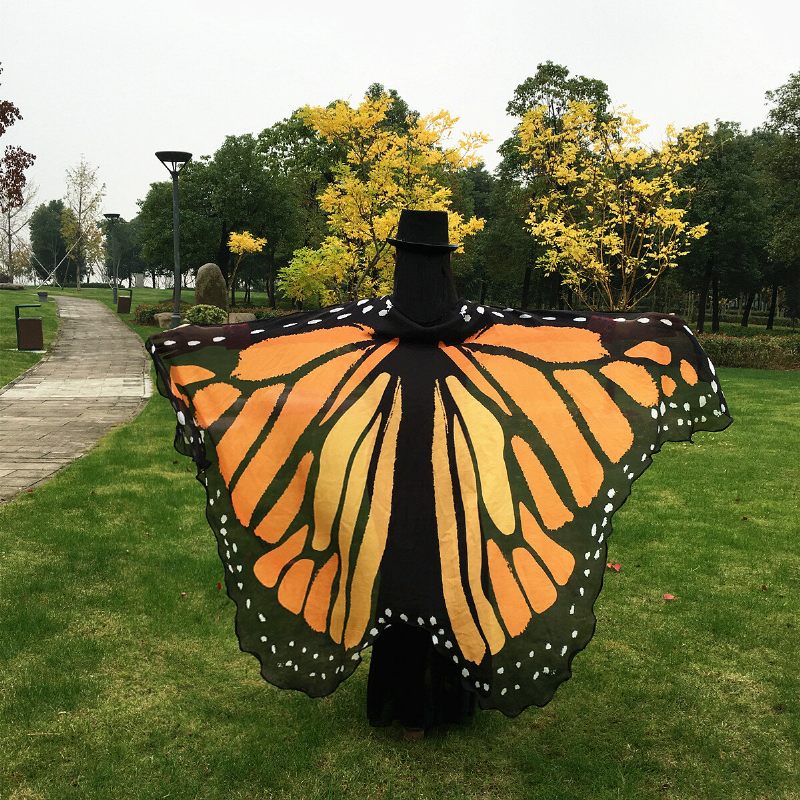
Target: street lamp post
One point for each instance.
(112, 219)
(175, 161)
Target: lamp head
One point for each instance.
(174, 160)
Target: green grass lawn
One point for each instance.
(121, 675)
(13, 362)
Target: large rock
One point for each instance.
(210, 288)
(240, 316)
(164, 320)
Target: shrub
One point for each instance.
(204, 314)
(144, 314)
(759, 352)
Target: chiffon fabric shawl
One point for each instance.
(363, 471)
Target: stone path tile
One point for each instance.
(96, 376)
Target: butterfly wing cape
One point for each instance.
(362, 470)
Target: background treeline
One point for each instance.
(747, 189)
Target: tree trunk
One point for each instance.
(79, 254)
(773, 304)
(702, 300)
(715, 304)
(526, 286)
(555, 291)
(9, 237)
(483, 290)
(689, 307)
(271, 286)
(748, 304)
(223, 254)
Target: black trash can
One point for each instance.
(124, 303)
(29, 329)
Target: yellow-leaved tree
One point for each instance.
(612, 215)
(386, 168)
(241, 245)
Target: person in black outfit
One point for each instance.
(409, 680)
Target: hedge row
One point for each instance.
(145, 313)
(264, 312)
(759, 352)
(756, 318)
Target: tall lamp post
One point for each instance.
(112, 219)
(175, 161)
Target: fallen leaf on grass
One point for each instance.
(615, 567)
(668, 597)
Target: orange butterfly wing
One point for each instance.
(292, 438)
(539, 434)
(536, 433)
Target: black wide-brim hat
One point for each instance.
(423, 230)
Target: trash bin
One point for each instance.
(124, 303)
(29, 329)
(42, 297)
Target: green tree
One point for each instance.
(154, 230)
(730, 196)
(509, 246)
(301, 163)
(121, 244)
(400, 116)
(199, 227)
(242, 186)
(553, 88)
(248, 194)
(782, 162)
(48, 246)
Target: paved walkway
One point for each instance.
(96, 376)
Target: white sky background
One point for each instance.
(118, 81)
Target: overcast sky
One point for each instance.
(118, 81)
